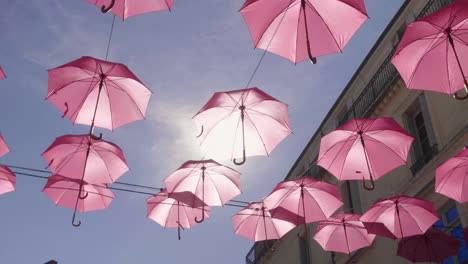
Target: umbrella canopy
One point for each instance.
(2, 74)
(172, 210)
(364, 149)
(98, 93)
(403, 216)
(128, 8)
(433, 53)
(311, 199)
(77, 194)
(256, 223)
(3, 146)
(242, 123)
(7, 180)
(84, 158)
(452, 177)
(303, 29)
(343, 233)
(214, 183)
(433, 246)
(379, 229)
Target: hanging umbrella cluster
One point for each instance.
(97, 93)
(7, 177)
(193, 188)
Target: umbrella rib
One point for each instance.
(387, 147)
(326, 25)
(267, 115)
(220, 175)
(429, 48)
(118, 86)
(84, 80)
(80, 106)
(105, 164)
(258, 132)
(207, 175)
(283, 12)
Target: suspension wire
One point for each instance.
(110, 37)
(114, 188)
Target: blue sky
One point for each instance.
(184, 56)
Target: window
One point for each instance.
(418, 122)
(450, 223)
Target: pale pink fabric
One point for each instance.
(433, 246)
(123, 99)
(452, 177)
(3, 146)
(67, 157)
(169, 212)
(221, 183)
(343, 233)
(279, 27)
(64, 192)
(7, 180)
(403, 216)
(387, 146)
(266, 123)
(2, 74)
(256, 223)
(424, 57)
(128, 8)
(321, 199)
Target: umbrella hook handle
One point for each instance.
(66, 110)
(83, 197)
(243, 159)
(458, 97)
(95, 137)
(105, 9)
(179, 226)
(73, 220)
(202, 219)
(202, 129)
(371, 187)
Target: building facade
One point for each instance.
(437, 121)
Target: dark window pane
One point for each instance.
(452, 215)
(439, 224)
(448, 261)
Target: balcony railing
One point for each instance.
(384, 76)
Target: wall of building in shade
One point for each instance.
(437, 121)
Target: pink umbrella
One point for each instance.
(3, 146)
(128, 8)
(433, 53)
(242, 123)
(433, 246)
(2, 74)
(343, 233)
(403, 216)
(77, 194)
(171, 210)
(379, 229)
(84, 158)
(7, 180)
(98, 93)
(321, 199)
(256, 223)
(364, 149)
(452, 177)
(214, 183)
(303, 29)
